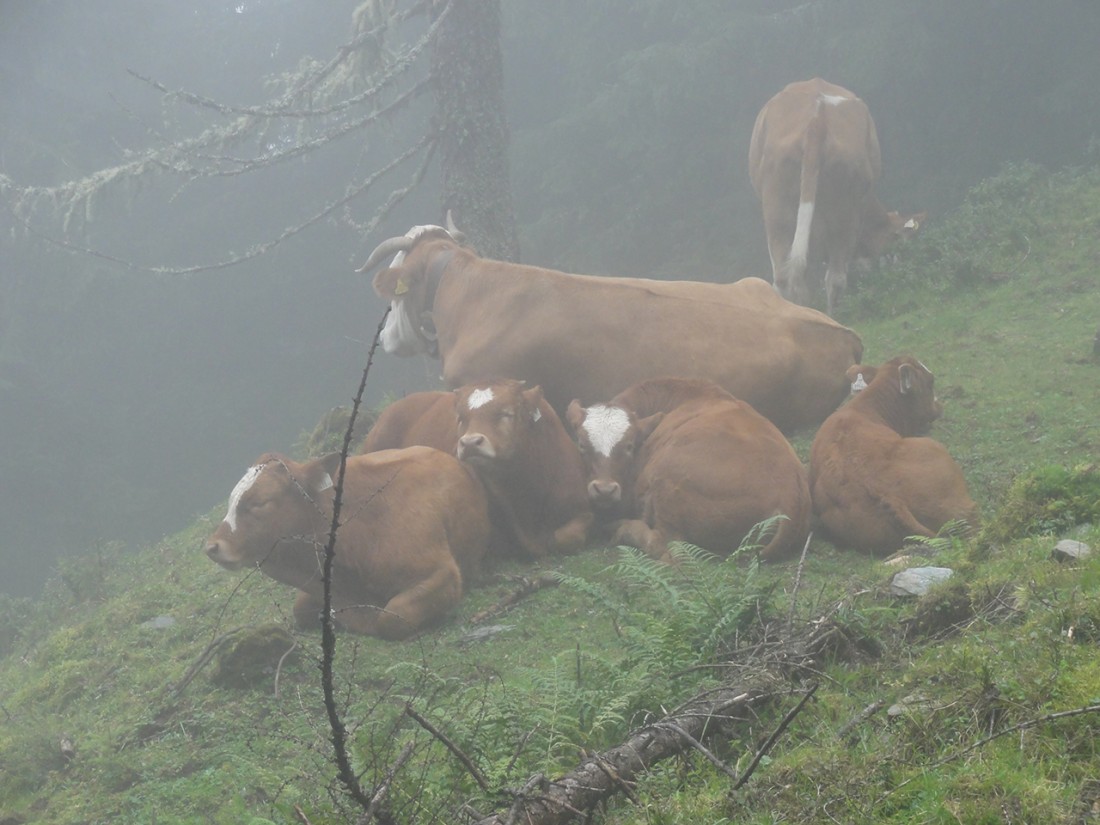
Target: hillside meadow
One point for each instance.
(154, 687)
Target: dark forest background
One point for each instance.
(131, 401)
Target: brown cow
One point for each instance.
(521, 451)
(414, 524)
(683, 460)
(813, 159)
(587, 337)
(874, 478)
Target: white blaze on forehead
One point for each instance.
(243, 486)
(605, 427)
(479, 398)
(834, 100)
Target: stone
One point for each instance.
(917, 580)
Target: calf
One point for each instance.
(874, 478)
(512, 437)
(683, 460)
(414, 525)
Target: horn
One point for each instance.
(456, 233)
(385, 249)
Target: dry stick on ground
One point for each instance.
(526, 588)
(328, 627)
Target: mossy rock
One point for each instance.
(1047, 500)
(251, 656)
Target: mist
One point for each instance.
(131, 400)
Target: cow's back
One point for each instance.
(589, 338)
(420, 418)
(713, 469)
(402, 505)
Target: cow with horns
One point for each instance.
(590, 337)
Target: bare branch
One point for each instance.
(468, 763)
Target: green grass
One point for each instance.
(1000, 299)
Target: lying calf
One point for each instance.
(874, 478)
(683, 460)
(413, 524)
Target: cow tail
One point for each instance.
(812, 142)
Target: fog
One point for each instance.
(132, 398)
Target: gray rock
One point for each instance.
(482, 633)
(1070, 550)
(916, 580)
(160, 623)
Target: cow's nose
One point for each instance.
(474, 444)
(212, 550)
(604, 491)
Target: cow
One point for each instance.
(520, 450)
(589, 337)
(683, 460)
(875, 478)
(414, 526)
(814, 159)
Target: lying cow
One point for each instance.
(587, 337)
(521, 451)
(813, 159)
(875, 479)
(683, 460)
(414, 525)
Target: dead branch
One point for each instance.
(383, 788)
(767, 746)
(328, 627)
(526, 588)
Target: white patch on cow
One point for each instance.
(801, 244)
(243, 486)
(860, 384)
(605, 427)
(536, 415)
(923, 367)
(479, 398)
(326, 484)
(833, 100)
(399, 334)
(910, 224)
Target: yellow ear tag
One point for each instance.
(402, 287)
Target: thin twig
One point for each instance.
(767, 746)
(328, 628)
(279, 667)
(797, 582)
(699, 746)
(468, 763)
(384, 786)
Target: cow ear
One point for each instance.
(533, 399)
(646, 426)
(391, 283)
(905, 377)
(574, 415)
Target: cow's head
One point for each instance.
(610, 438)
(409, 284)
(494, 420)
(881, 230)
(274, 503)
(910, 386)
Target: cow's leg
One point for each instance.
(409, 610)
(572, 537)
(779, 223)
(636, 533)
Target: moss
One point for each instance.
(250, 657)
(1047, 500)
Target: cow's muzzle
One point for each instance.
(475, 446)
(604, 493)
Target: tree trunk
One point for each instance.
(467, 69)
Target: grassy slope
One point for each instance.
(1000, 300)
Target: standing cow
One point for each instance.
(512, 437)
(683, 460)
(875, 479)
(814, 159)
(414, 525)
(588, 337)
